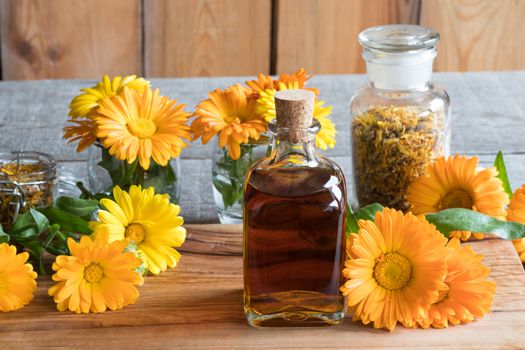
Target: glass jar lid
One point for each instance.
(399, 38)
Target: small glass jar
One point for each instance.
(34, 173)
(400, 120)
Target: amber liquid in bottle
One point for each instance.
(294, 246)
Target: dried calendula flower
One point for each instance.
(10, 204)
(392, 146)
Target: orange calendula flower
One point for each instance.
(467, 294)
(299, 76)
(396, 268)
(519, 245)
(262, 83)
(232, 115)
(82, 130)
(97, 276)
(457, 182)
(265, 82)
(142, 125)
(325, 137)
(17, 279)
(516, 213)
(86, 103)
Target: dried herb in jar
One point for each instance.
(392, 146)
(11, 201)
(35, 175)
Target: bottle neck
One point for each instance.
(301, 153)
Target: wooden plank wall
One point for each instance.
(477, 34)
(322, 35)
(206, 38)
(69, 38)
(175, 38)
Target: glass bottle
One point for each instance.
(400, 120)
(294, 225)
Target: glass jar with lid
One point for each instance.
(400, 120)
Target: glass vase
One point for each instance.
(228, 177)
(105, 171)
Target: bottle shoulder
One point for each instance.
(287, 179)
(266, 164)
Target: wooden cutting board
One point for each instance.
(199, 306)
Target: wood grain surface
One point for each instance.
(198, 305)
(206, 37)
(322, 35)
(477, 34)
(69, 38)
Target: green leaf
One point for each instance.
(29, 226)
(368, 212)
(365, 213)
(40, 220)
(74, 206)
(4, 237)
(351, 221)
(37, 253)
(502, 173)
(457, 219)
(67, 221)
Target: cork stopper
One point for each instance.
(295, 110)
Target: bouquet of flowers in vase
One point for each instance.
(139, 133)
(239, 116)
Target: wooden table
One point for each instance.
(198, 305)
(488, 115)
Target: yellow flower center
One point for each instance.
(392, 271)
(142, 128)
(135, 232)
(93, 273)
(457, 199)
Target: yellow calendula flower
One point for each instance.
(395, 270)
(17, 279)
(86, 103)
(231, 115)
(516, 213)
(325, 137)
(147, 218)
(142, 125)
(467, 295)
(457, 182)
(97, 276)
